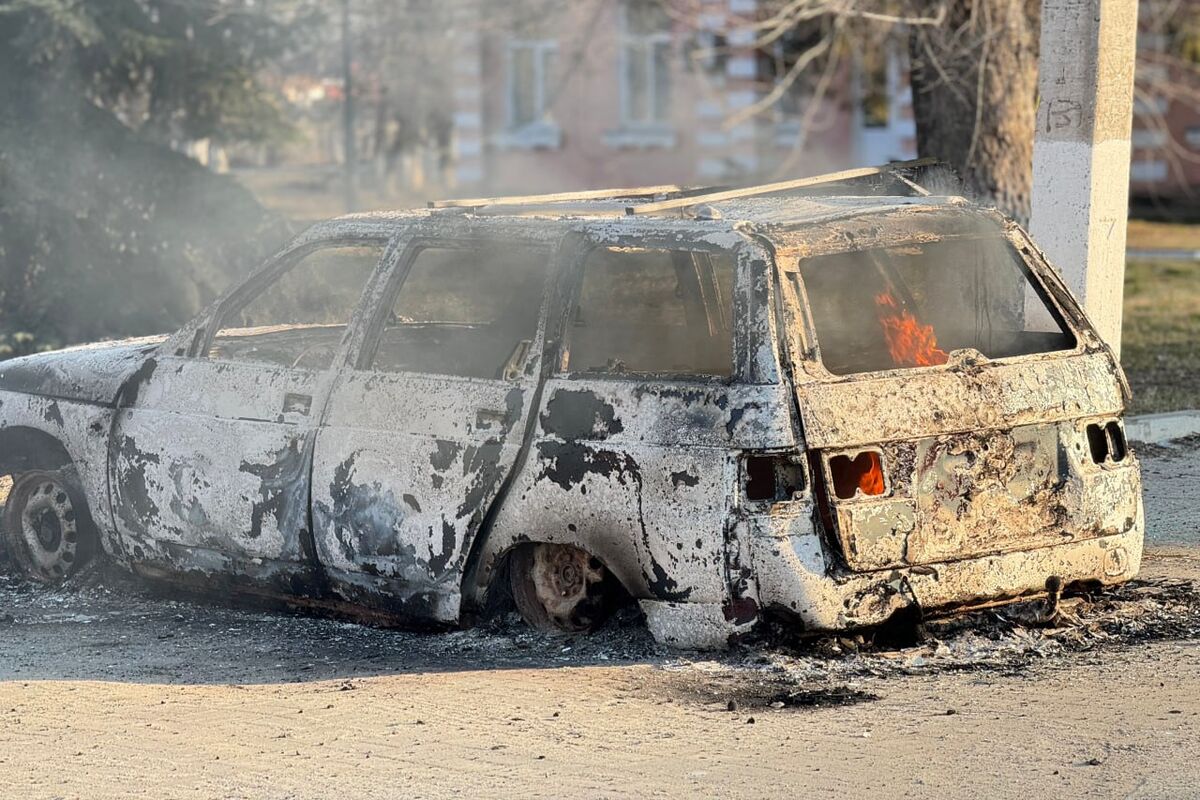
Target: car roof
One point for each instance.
(785, 205)
(759, 213)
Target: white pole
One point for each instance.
(1080, 199)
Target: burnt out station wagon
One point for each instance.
(826, 403)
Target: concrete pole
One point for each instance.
(1080, 196)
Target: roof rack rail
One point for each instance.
(562, 197)
(894, 170)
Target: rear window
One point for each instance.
(913, 305)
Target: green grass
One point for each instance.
(1159, 344)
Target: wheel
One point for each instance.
(559, 588)
(46, 525)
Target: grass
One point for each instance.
(1146, 235)
(1159, 348)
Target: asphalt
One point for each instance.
(1171, 490)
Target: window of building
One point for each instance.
(469, 311)
(653, 311)
(297, 320)
(645, 63)
(1156, 104)
(1191, 135)
(531, 72)
(1148, 170)
(1149, 137)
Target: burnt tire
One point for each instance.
(559, 588)
(47, 529)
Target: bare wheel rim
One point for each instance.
(47, 526)
(558, 587)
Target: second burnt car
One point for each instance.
(827, 402)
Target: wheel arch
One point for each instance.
(490, 579)
(24, 448)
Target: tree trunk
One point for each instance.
(974, 87)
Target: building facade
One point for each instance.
(628, 93)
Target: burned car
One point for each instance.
(823, 403)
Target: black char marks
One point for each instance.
(568, 463)
(736, 415)
(446, 453)
(136, 507)
(127, 395)
(438, 563)
(52, 414)
(683, 478)
(364, 518)
(282, 490)
(483, 463)
(580, 415)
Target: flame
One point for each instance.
(870, 480)
(910, 343)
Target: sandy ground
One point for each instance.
(109, 691)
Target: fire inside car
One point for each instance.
(914, 304)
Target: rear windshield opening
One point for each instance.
(913, 305)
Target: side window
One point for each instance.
(468, 311)
(653, 311)
(298, 319)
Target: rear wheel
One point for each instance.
(561, 588)
(46, 525)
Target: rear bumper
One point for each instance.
(795, 578)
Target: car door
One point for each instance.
(210, 454)
(419, 437)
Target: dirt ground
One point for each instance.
(110, 690)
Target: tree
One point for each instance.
(96, 206)
(974, 90)
(973, 67)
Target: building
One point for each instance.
(627, 93)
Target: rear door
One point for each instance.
(421, 435)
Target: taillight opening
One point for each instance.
(863, 473)
(1106, 442)
(772, 478)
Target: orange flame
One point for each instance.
(870, 480)
(910, 343)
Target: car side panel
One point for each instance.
(209, 466)
(642, 474)
(405, 470)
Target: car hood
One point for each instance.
(90, 373)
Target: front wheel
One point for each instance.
(46, 525)
(559, 588)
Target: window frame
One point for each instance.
(274, 270)
(806, 350)
(394, 282)
(560, 355)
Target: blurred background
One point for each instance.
(153, 151)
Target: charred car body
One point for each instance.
(828, 403)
